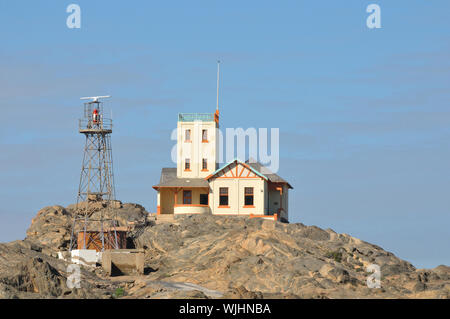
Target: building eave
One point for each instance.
(236, 161)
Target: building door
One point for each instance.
(187, 197)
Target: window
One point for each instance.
(203, 199)
(187, 197)
(205, 164)
(187, 164)
(223, 196)
(248, 193)
(187, 136)
(204, 135)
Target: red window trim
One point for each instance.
(205, 140)
(248, 195)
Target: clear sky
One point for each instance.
(363, 113)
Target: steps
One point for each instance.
(165, 218)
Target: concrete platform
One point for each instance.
(123, 261)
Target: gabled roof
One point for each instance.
(236, 161)
(167, 174)
(256, 168)
(274, 178)
(169, 179)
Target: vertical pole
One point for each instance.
(115, 234)
(102, 234)
(71, 237)
(218, 75)
(85, 228)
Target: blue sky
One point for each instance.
(363, 114)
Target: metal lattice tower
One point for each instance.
(96, 180)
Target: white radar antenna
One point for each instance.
(95, 98)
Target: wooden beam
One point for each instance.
(242, 171)
(176, 197)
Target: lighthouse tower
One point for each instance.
(96, 181)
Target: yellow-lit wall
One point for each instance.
(236, 188)
(196, 150)
(166, 201)
(195, 195)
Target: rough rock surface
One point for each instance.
(52, 225)
(26, 272)
(259, 258)
(205, 256)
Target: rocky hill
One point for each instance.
(205, 256)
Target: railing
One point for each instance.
(192, 117)
(89, 124)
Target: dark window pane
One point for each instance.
(203, 199)
(249, 200)
(223, 190)
(248, 190)
(223, 201)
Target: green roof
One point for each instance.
(192, 117)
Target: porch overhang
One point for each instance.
(157, 187)
(183, 183)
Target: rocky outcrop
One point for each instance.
(260, 258)
(52, 225)
(26, 272)
(205, 256)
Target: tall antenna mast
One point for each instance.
(218, 75)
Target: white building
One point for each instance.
(198, 186)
